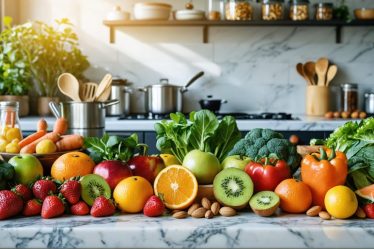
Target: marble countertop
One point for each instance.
(245, 230)
(302, 123)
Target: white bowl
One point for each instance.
(189, 15)
(152, 11)
(117, 15)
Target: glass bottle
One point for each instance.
(349, 97)
(238, 10)
(272, 10)
(10, 130)
(215, 10)
(299, 10)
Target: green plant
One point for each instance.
(48, 51)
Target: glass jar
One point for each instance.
(349, 97)
(238, 10)
(10, 130)
(324, 11)
(215, 10)
(299, 10)
(272, 10)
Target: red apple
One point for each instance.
(146, 166)
(113, 171)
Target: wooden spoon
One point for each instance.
(88, 91)
(322, 65)
(310, 71)
(105, 95)
(104, 84)
(69, 86)
(300, 70)
(333, 69)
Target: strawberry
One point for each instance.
(369, 210)
(33, 207)
(102, 207)
(23, 191)
(44, 187)
(71, 190)
(154, 207)
(52, 207)
(80, 208)
(10, 204)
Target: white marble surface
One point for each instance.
(137, 231)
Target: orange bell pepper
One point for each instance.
(322, 171)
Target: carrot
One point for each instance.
(42, 125)
(70, 142)
(31, 138)
(61, 126)
(30, 148)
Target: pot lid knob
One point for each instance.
(164, 81)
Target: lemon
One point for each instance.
(169, 159)
(12, 148)
(341, 202)
(46, 146)
(13, 133)
(3, 144)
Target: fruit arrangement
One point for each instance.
(115, 175)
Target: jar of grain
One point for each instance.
(349, 97)
(299, 10)
(215, 10)
(238, 10)
(272, 10)
(324, 11)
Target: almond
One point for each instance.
(314, 211)
(209, 214)
(215, 208)
(360, 213)
(324, 215)
(180, 215)
(227, 211)
(193, 208)
(199, 213)
(205, 202)
(175, 211)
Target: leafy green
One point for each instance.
(202, 131)
(6, 175)
(111, 147)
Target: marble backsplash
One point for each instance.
(251, 67)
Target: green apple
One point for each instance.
(27, 168)
(204, 165)
(236, 161)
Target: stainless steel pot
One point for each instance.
(123, 94)
(369, 103)
(84, 118)
(165, 98)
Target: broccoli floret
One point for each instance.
(268, 134)
(278, 147)
(252, 151)
(254, 134)
(259, 143)
(240, 148)
(263, 151)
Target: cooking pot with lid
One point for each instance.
(211, 104)
(164, 98)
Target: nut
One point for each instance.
(313, 211)
(175, 211)
(299, 12)
(193, 208)
(227, 211)
(346, 115)
(329, 115)
(272, 11)
(180, 215)
(209, 214)
(360, 213)
(324, 215)
(205, 202)
(355, 114)
(215, 208)
(337, 115)
(199, 213)
(238, 11)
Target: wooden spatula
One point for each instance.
(310, 71)
(88, 91)
(322, 65)
(331, 73)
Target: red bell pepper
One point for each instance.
(267, 173)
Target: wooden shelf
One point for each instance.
(206, 24)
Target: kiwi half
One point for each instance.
(264, 203)
(232, 187)
(94, 186)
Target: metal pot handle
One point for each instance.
(142, 89)
(129, 90)
(109, 103)
(224, 101)
(184, 89)
(55, 109)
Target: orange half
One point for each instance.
(177, 185)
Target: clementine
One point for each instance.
(72, 164)
(295, 196)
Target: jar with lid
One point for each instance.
(323, 11)
(238, 10)
(10, 129)
(272, 10)
(215, 10)
(299, 10)
(349, 97)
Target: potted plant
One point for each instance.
(49, 51)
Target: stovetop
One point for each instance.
(236, 115)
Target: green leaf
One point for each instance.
(112, 141)
(204, 125)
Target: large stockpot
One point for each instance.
(164, 98)
(121, 91)
(84, 118)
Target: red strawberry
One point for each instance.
(23, 191)
(52, 207)
(369, 210)
(154, 207)
(80, 208)
(33, 207)
(102, 207)
(71, 190)
(44, 187)
(10, 204)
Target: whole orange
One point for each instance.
(72, 164)
(295, 196)
(132, 193)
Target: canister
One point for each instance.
(369, 102)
